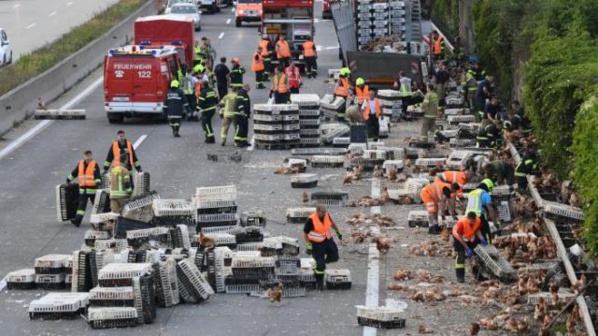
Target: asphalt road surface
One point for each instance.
(30, 24)
(29, 175)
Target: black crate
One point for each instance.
(20, 285)
(422, 144)
(53, 316)
(148, 299)
(311, 184)
(112, 303)
(261, 272)
(68, 195)
(215, 211)
(83, 272)
(50, 285)
(396, 324)
(338, 285)
(358, 134)
(242, 280)
(249, 237)
(297, 220)
(106, 324)
(125, 224)
(172, 221)
(49, 270)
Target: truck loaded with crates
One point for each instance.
(380, 38)
(294, 19)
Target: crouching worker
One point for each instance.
(466, 236)
(319, 242)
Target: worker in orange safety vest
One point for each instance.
(310, 56)
(258, 66)
(87, 172)
(466, 236)
(436, 196)
(371, 113)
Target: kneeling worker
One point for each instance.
(466, 236)
(437, 196)
(319, 242)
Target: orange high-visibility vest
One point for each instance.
(259, 64)
(198, 88)
(367, 111)
(321, 230)
(362, 94)
(464, 228)
(308, 49)
(116, 153)
(280, 84)
(342, 88)
(85, 175)
(434, 190)
(454, 177)
(265, 52)
(437, 47)
(282, 49)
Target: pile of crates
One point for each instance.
(51, 271)
(372, 19)
(58, 306)
(216, 206)
(398, 18)
(276, 126)
(330, 106)
(170, 212)
(248, 269)
(124, 296)
(309, 118)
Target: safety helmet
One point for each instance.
(235, 60)
(198, 68)
(507, 125)
(345, 71)
(488, 182)
(360, 81)
(174, 83)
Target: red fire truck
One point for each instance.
(158, 30)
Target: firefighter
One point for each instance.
(519, 120)
(489, 135)
(469, 88)
(175, 105)
(189, 85)
(528, 165)
(283, 52)
(310, 56)
(206, 108)
(319, 242)
(258, 66)
(430, 106)
(267, 48)
(242, 114)
(294, 76)
(227, 113)
(198, 53)
(120, 185)
(362, 91)
(236, 73)
(437, 196)
(87, 172)
(479, 201)
(122, 145)
(280, 87)
(342, 90)
(466, 236)
(371, 112)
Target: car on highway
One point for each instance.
(171, 3)
(5, 49)
(248, 11)
(187, 11)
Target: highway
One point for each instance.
(29, 174)
(30, 24)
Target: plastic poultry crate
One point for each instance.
(428, 163)
(136, 237)
(217, 220)
(210, 207)
(172, 207)
(55, 306)
(193, 282)
(534, 299)
(123, 225)
(250, 247)
(332, 198)
(181, 237)
(112, 297)
(142, 183)
(496, 264)
(50, 281)
(556, 211)
(115, 244)
(422, 144)
(327, 161)
(21, 279)
(249, 236)
(145, 298)
(338, 279)
(343, 142)
(456, 111)
(224, 239)
(396, 165)
(81, 271)
(67, 200)
(112, 317)
(304, 181)
(102, 202)
(305, 99)
(121, 274)
(97, 260)
(319, 151)
(357, 148)
(267, 119)
(417, 218)
(310, 133)
(310, 113)
(330, 131)
(461, 143)
(380, 317)
(228, 192)
(51, 263)
(457, 119)
(99, 218)
(275, 108)
(327, 103)
(91, 235)
(165, 279)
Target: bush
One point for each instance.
(42, 59)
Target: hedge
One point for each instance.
(42, 59)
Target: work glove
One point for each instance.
(339, 235)
(483, 242)
(308, 248)
(469, 252)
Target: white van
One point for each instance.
(5, 50)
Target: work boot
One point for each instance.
(319, 282)
(209, 140)
(76, 221)
(460, 280)
(223, 143)
(434, 229)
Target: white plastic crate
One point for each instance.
(218, 218)
(228, 192)
(223, 239)
(454, 143)
(267, 118)
(309, 113)
(305, 99)
(242, 289)
(21, 276)
(340, 278)
(96, 234)
(501, 190)
(534, 299)
(429, 162)
(554, 209)
(142, 183)
(456, 111)
(309, 123)
(103, 217)
(124, 293)
(182, 236)
(213, 204)
(150, 232)
(250, 247)
(499, 267)
(396, 194)
(304, 180)
(456, 119)
(333, 105)
(166, 283)
(193, 281)
(57, 303)
(292, 162)
(458, 158)
(112, 317)
(216, 230)
(252, 262)
(172, 207)
(383, 314)
(323, 161)
(375, 154)
(51, 261)
(50, 278)
(267, 127)
(141, 202)
(341, 141)
(119, 271)
(115, 244)
(357, 148)
(275, 107)
(417, 215)
(102, 200)
(393, 164)
(454, 100)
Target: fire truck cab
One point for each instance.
(136, 79)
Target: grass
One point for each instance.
(32, 64)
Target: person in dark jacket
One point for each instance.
(207, 107)
(118, 146)
(236, 73)
(175, 105)
(221, 71)
(242, 114)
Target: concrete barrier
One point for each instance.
(20, 103)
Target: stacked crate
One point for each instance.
(288, 272)
(171, 212)
(309, 118)
(140, 207)
(373, 20)
(124, 296)
(21, 279)
(166, 282)
(398, 17)
(57, 306)
(276, 126)
(248, 269)
(50, 271)
(390, 102)
(216, 206)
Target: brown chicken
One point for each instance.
(391, 174)
(275, 294)
(288, 170)
(474, 329)
(540, 310)
(359, 172)
(385, 195)
(348, 179)
(41, 104)
(571, 324)
(444, 234)
(305, 198)
(382, 244)
(402, 275)
(377, 171)
(205, 241)
(422, 330)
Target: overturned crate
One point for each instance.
(192, 285)
(170, 212)
(56, 306)
(299, 215)
(380, 317)
(330, 198)
(495, 263)
(140, 208)
(59, 114)
(338, 279)
(304, 181)
(67, 201)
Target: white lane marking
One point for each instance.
(221, 35)
(68, 4)
(252, 143)
(52, 14)
(228, 21)
(43, 124)
(373, 279)
(31, 25)
(139, 141)
(16, 6)
(2, 284)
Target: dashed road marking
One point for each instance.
(52, 14)
(139, 141)
(69, 3)
(31, 25)
(373, 277)
(228, 21)
(221, 35)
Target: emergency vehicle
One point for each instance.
(136, 80)
(248, 11)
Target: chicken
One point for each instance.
(41, 104)
(444, 234)
(540, 310)
(359, 172)
(305, 198)
(385, 195)
(377, 171)
(554, 287)
(391, 174)
(512, 326)
(402, 275)
(405, 200)
(358, 237)
(531, 286)
(275, 294)
(348, 179)
(571, 323)
(382, 244)
(205, 241)
(287, 170)
(422, 330)
(474, 329)
(574, 200)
